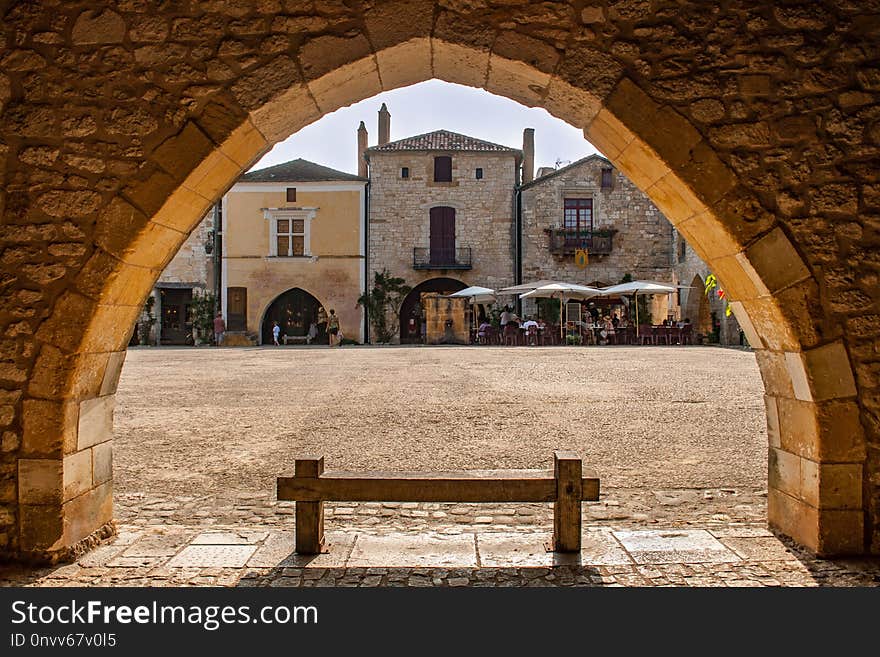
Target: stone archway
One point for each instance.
(752, 127)
(294, 310)
(696, 307)
(410, 310)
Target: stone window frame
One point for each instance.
(273, 215)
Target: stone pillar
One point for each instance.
(65, 472)
(384, 125)
(528, 167)
(362, 148)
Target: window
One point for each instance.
(443, 169)
(682, 249)
(404, 172)
(578, 219)
(290, 237)
(479, 173)
(291, 194)
(289, 231)
(607, 178)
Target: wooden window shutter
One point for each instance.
(443, 168)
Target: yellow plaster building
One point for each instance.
(293, 248)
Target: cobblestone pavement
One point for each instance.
(685, 537)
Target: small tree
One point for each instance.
(146, 320)
(202, 315)
(382, 303)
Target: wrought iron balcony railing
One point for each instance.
(567, 240)
(459, 258)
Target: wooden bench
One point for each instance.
(567, 485)
(296, 338)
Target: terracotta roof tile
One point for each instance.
(298, 171)
(443, 140)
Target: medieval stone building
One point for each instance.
(448, 211)
(441, 213)
(293, 250)
(590, 206)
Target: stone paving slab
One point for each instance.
(277, 551)
(674, 546)
(233, 556)
(759, 548)
(230, 538)
(431, 550)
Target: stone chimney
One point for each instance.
(362, 147)
(528, 166)
(384, 125)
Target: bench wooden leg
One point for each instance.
(567, 469)
(309, 515)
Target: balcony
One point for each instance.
(564, 241)
(442, 258)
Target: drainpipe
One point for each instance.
(366, 258)
(215, 255)
(517, 269)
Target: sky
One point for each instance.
(425, 107)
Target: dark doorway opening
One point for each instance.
(175, 320)
(295, 311)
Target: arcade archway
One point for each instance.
(765, 169)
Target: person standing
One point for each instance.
(505, 317)
(276, 331)
(333, 327)
(219, 329)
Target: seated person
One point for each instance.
(529, 323)
(615, 320)
(483, 330)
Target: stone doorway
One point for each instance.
(412, 315)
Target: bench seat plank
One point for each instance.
(464, 486)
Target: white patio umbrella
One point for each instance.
(636, 288)
(525, 287)
(562, 291)
(476, 294)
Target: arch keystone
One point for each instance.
(459, 64)
(405, 64)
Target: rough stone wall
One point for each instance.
(192, 264)
(400, 208)
(642, 245)
(753, 126)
